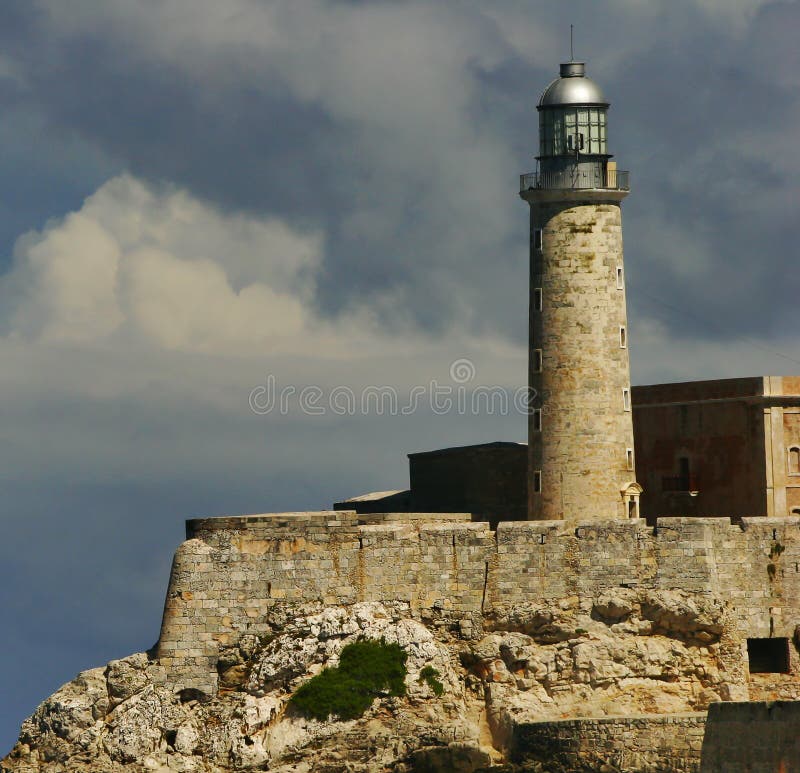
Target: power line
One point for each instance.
(704, 323)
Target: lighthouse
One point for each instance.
(581, 462)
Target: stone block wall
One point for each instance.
(231, 572)
(668, 744)
(549, 560)
(579, 443)
(759, 737)
(754, 737)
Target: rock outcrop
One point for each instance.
(630, 652)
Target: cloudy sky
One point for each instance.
(203, 198)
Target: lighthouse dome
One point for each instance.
(572, 88)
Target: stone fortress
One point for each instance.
(579, 534)
(591, 633)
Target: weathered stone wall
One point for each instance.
(232, 571)
(752, 738)
(581, 448)
(669, 744)
(755, 737)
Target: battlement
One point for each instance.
(198, 528)
(231, 572)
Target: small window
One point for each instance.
(629, 457)
(684, 474)
(537, 360)
(537, 298)
(537, 239)
(537, 482)
(620, 279)
(768, 656)
(626, 399)
(623, 338)
(795, 511)
(537, 419)
(794, 460)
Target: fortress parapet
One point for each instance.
(232, 573)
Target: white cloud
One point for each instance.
(163, 269)
(145, 271)
(70, 291)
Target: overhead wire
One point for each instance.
(710, 325)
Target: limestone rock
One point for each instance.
(625, 652)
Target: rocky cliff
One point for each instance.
(630, 652)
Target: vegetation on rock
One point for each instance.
(366, 670)
(430, 675)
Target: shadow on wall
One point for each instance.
(759, 737)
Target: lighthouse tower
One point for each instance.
(581, 461)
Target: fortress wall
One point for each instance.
(547, 560)
(758, 570)
(232, 571)
(684, 551)
(625, 744)
(756, 737)
(751, 738)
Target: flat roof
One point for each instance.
(464, 449)
(716, 389)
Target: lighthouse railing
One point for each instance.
(576, 179)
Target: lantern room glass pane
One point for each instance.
(564, 130)
(559, 144)
(543, 134)
(570, 122)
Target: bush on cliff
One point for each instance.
(366, 670)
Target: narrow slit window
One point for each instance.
(629, 457)
(794, 460)
(537, 419)
(620, 279)
(537, 360)
(768, 656)
(537, 299)
(537, 238)
(537, 482)
(626, 399)
(623, 337)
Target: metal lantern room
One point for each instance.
(572, 135)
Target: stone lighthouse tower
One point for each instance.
(580, 432)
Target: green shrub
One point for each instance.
(430, 675)
(366, 670)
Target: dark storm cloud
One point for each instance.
(252, 144)
(44, 169)
(711, 166)
(696, 108)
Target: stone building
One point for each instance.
(726, 448)
(487, 480)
